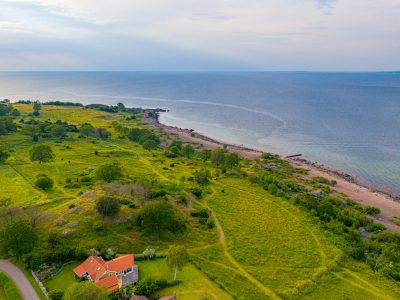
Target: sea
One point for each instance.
(345, 121)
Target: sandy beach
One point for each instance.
(390, 208)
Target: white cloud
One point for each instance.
(286, 34)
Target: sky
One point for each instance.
(200, 35)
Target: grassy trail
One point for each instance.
(267, 291)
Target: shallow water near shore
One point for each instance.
(349, 121)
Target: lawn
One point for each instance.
(194, 285)
(2, 293)
(8, 289)
(63, 280)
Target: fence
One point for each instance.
(40, 284)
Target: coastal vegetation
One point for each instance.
(79, 180)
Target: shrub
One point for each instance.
(109, 172)
(371, 210)
(159, 217)
(108, 206)
(44, 182)
(202, 177)
(4, 155)
(56, 295)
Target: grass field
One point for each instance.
(64, 279)
(262, 246)
(195, 285)
(8, 290)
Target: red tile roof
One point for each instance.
(120, 263)
(96, 267)
(93, 266)
(111, 283)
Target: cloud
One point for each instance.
(192, 34)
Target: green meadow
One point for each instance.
(261, 245)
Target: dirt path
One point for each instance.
(233, 261)
(18, 277)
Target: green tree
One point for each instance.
(44, 182)
(58, 131)
(231, 160)
(19, 238)
(85, 291)
(135, 134)
(108, 206)
(41, 153)
(158, 217)
(109, 172)
(177, 258)
(202, 177)
(102, 133)
(4, 155)
(56, 295)
(86, 130)
(32, 131)
(218, 156)
(188, 151)
(150, 144)
(37, 105)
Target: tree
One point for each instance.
(109, 172)
(56, 295)
(218, 156)
(107, 206)
(149, 253)
(32, 131)
(87, 130)
(202, 177)
(85, 291)
(150, 144)
(19, 238)
(44, 182)
(188, 151)
(4, 155)
(231, 160)
(41, 153)
(37, 105)
(134, 134)
(102, 133)
(58, 131)
(177, 258)
(158, 217)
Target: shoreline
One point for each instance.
(346, 184)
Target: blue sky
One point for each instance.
(324, 35)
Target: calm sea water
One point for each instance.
(349, 121)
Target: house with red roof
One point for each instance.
(112, 274)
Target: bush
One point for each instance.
(202, 177)
(159, 217)
(198, 192)
(371, 210)
(44, 182)
(56, 295)
(109, 172)
(108, 206)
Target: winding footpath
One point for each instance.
(18, 277)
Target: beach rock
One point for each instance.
(71, 225)
(66, 232)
